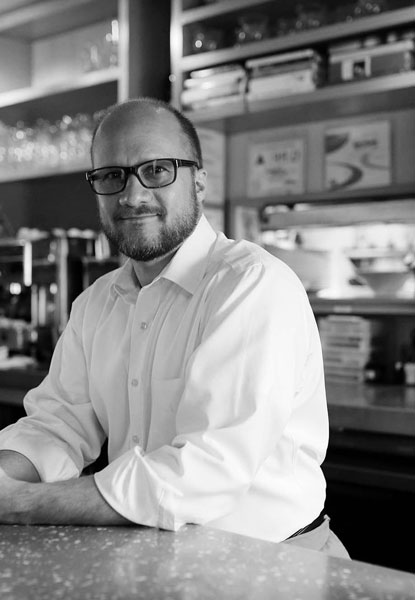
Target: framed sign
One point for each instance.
(358, 156)
(276, 168)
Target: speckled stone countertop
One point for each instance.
(196, 563)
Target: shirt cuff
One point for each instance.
(135, 491)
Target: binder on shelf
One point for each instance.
(191, 95)
(210, 71)
(233, 103)
(284, 74)
(282, 85)
(308, 54)
(213, 84)
(215, 78)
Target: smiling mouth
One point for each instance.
(141, 217)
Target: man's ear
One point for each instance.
(201, 184)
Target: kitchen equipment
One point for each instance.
(384, 270)
(41, 273)
(384, 59)
(386, 283)
(311, 266)
(378, 259)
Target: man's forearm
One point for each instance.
(71, 502)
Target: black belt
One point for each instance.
(313, 525)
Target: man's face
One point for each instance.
(143, 223)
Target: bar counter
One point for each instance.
(87, 563)
(376, 408)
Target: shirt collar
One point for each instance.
(186, 268)
(188, 265)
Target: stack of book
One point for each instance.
(284, 74)
(348, 343)
(214, 86)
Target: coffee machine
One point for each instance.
(41, 273)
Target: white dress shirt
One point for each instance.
(208, 384)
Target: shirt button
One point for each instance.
(143, 325)
(135, 439)
(134, 382)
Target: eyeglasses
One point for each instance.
(156, 173)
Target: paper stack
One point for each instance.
(284, 74)
(348, 342)
(210, 87)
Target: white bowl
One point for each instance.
(386, 283)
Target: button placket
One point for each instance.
(143, 314)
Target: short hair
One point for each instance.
(186, 125)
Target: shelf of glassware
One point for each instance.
(84, 81)
(30, 172)
(38, 156)
(45, 18)
(319, 35)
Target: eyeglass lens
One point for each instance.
(152, 174)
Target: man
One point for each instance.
(198, 360)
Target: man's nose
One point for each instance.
(134, 192)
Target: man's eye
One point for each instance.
(112, 176)
(156, 168)
(153, 170)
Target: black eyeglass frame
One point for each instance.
(133, 170)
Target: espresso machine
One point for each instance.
(41, 273)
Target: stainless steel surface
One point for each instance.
(377, 408)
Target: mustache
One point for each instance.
(123, 213)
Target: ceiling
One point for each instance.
(8, 5)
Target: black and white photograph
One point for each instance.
(207, 299)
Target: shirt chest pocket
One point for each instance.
(165, 399)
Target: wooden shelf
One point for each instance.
(312, 37)
(201, 13)
(386, 306)
(51, 17)
(348, 98)
(85, 80)
(392, 204)
(43, 172)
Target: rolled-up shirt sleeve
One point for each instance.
(258, 352)
(60, 434)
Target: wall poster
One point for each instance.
(276, 168)
(358, 156)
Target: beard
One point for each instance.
(143, 246)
